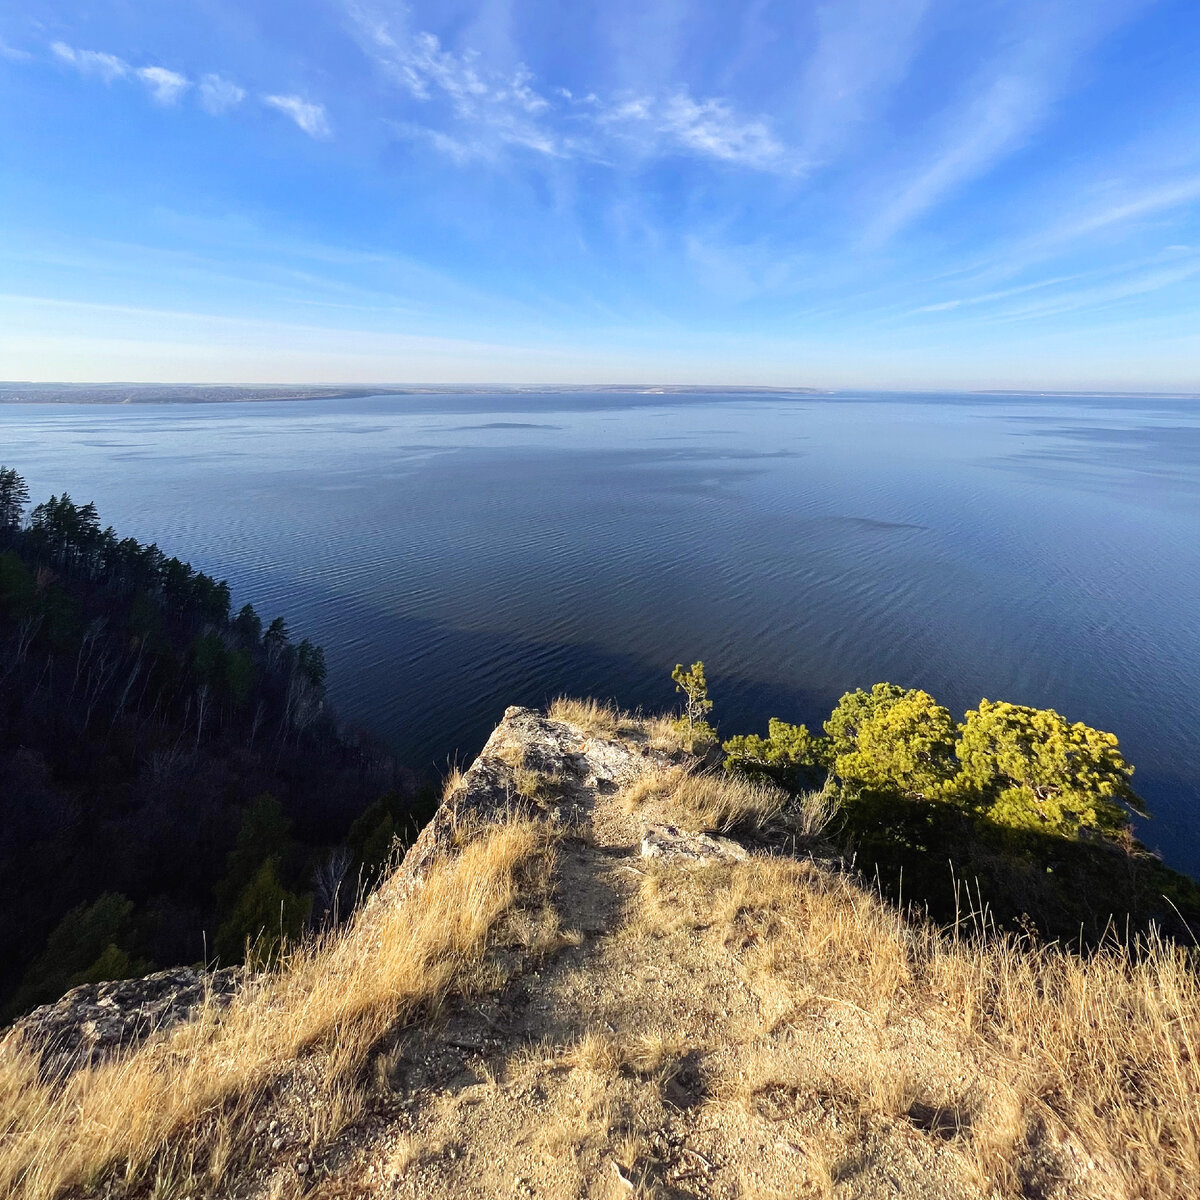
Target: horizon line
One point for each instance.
(534, 386)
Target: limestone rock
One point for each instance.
(93, 1021)
(577, 762)
(677, 845)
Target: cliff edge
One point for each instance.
(602, 971)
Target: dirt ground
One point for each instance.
(636, 1037)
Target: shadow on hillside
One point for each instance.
(981, 876)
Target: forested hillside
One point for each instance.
(172, 781)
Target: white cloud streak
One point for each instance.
(709, 128)
(988, 297)
(308, 116)
(12, 53)
(165, 86)
(92, 63)
(495, 108)
(1140, 283)
(864, 49)
(218, 96)
(1132, 206)
(1008, 102)
(1080, 214)
(994, 124)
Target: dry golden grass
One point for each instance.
(191, 1099)
(1105, 1047)
(536, 786)
(512, 754)
(452, 782)
(1101, 1053)
(592, 716)
(654, 1054)
(528, 782)
(715, 802)
(711, 802)
(409, 1151)
(596, 1050)
(606, 720)
(341, 1103)
(813, 1010)
(654, 785)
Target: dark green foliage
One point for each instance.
(141, 726)
(248, 627)
(14, 496)
(82, 948)
(265, 916)
(789, 755)
(310, 661)
(18, 592)
(384, 830)
(263, 835)
(373, 835)
(952, 861)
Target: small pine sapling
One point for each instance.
(693, 726)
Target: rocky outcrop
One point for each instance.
(678, 845)
(96, 1020)
(530, 765)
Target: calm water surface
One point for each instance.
(457, 554)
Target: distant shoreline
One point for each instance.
(173, 393)
(12, 392)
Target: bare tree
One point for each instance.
(328, 880)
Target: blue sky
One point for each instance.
(881, 193)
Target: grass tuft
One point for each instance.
(194, 1094)
(452, 782)
(714, 802)
(602, 719)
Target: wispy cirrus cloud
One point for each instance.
(1131, 204)
(993, 125)
(165, 86)
(1006, 103)
(990, 297)
(488, 108)
(13, 53)
(308, 116)
(1136, 283)
(863, 50)
(219, 95)
(1086, 213)
(1059, 295)
(92, 63)
(710, 128)
(216, 94)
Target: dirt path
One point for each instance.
(629, 1045)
